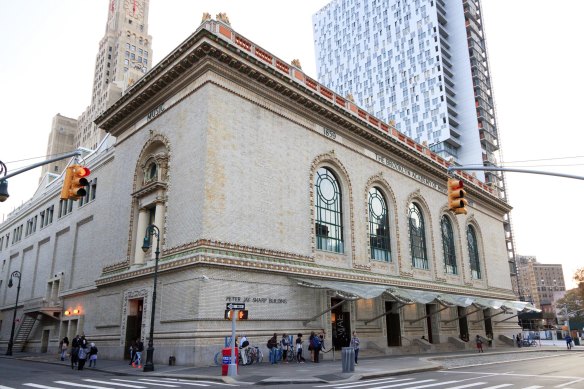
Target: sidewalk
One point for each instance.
(294, 373)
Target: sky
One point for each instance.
(47, 58)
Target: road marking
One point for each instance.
(42, 386)
(351, 383)
(146, 383)
(501, 386)
(5, 387)
(114, 383)
(469, 385)
(80, 385)
(515, 360)
(205, 382)
(430, 385)
(170, 382)
(569, 383)
(367, 383)
(577, 379)
(533, 387)
(406, 383)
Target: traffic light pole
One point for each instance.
(64, 156)
(506, 169)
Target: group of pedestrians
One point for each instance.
(136, 350)
(80, 352)
(285, 346)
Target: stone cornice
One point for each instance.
(230, 256)
(217, 42)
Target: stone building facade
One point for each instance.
(268, 189)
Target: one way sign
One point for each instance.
(235, 306)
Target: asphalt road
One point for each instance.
(561, 371)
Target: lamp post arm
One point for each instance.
(506, 169)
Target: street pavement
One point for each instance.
(327, 371)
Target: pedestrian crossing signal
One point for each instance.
(241, 314)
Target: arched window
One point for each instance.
(329, 221)
(473, 251)
(378, 226)
(417, 237)
(448, 245)
(152, 173)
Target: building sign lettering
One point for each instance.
(410, 173)
(155, 112)
(261, 300)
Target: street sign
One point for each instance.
(235, 306)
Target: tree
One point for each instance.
(579, 278)
(573, 302)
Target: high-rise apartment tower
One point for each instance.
(421, 64)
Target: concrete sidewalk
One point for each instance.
(288, 373)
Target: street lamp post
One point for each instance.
(16, 274)
(152, 230)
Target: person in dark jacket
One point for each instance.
(92, 355)
(75, 351)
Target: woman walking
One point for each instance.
(355, 342)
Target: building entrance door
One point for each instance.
(392, 324)
(462, 323)
(488, 322)
(45, 341)
(134, 324)
(341, 326)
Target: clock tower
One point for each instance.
(124, 55)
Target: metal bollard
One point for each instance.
(348, 359)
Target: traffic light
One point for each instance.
(241, 314)
(456, 193)
(74, 183)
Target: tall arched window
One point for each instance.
(417, 237)
(473, 251)
(329, 220)
(448, 245)
(378, 226)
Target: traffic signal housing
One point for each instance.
(75, 182)
(456, 201)
(241, 314)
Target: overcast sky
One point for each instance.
(47, 59)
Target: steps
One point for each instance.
(24, 330)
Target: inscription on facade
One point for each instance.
(410, 173)
(329, 133)
(261, 300)
(155, 112)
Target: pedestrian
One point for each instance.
(479, 342)
(273, 346)
(299, 357)
(132, 350)
(63, 347)
(568, 340)
(285, 344)
(83, 342)
(355, 342)
(92, 355)
(310, 346)
(321, 336)
(81, 357)
(138, 354)
(316, 346)
(244, 346)
(519, 340)
(75, 351)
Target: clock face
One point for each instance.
(134, 8)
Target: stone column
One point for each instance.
(140, 233)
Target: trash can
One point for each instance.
(348, 359)
(576, 341)
(226, 361)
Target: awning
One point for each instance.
(355, 290)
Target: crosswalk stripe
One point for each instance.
(501, 386)
(170, 382)
(350, 383)
(42, 386)
(469, 385)
(402, 384)
(146, 383)
(5, 387)
(207, 382)
(77, 385)
(114, 383)
(367, 383)
(533, 387)
(430, 385)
